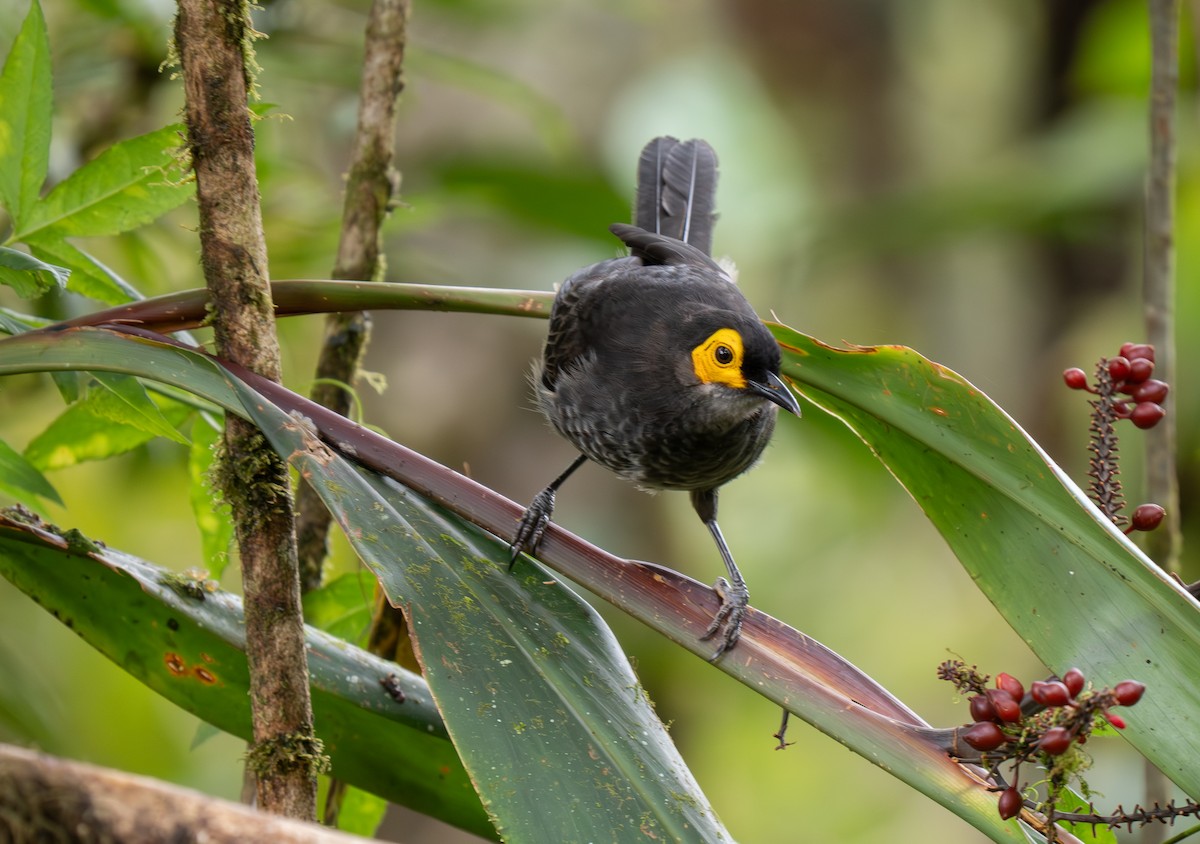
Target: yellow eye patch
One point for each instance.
(718, 360)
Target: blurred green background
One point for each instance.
(964, 178)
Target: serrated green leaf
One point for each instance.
(88, 277)
(536, 693)
(185, 639)
(210, 511)
(28, 276)
(20, 479)
(26, 103)
(134, 407)
(128, 185)
(343, 606)
(90, 429)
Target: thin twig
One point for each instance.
(371, 187)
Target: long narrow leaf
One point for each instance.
(1077, 591)
(776, 660)
(19, 477)
(186, 640)
(28, 276)
(535, 690)
(88, 276)
(25, 112)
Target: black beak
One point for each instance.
(776, 391)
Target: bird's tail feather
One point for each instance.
(677, 189)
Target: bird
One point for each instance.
(656, 366)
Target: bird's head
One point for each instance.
(733, 351)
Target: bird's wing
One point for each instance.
(653, 248)
(572, 318)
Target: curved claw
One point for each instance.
(734, 601)
(533, 525)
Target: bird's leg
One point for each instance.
(537, 515)
(735, 597)
(781, 736)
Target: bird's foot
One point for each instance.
(735, 598)
(533, 525)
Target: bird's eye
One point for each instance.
(723, 355)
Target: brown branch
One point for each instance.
(1158, 301)
(44, 798)
(370, 188)
(1158, 291)
(212, 40)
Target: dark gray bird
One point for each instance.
(656, 366)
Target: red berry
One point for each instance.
(1074, 680)
(1147, 517)
(1075, 378)
(1050, 693)
(1055, 740)
(1137, 351)
(984, 736)
(1146, 414)
(1139, 370)
(1118, 368)
(1010, 803)
(982, 709)
(1007, 708)
(1116, 720)
(1010, 684)
(1151, 390)
(1127, 693)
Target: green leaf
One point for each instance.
(1069, 801)
(133, 406)
(89, 277)
(28, 276)
(879, 733)
(12, 322)
(20, 479)
(360, 813)
(884, 733)
(536, 693)
(185, 639)
(90, 429)
(343, 606)
(128, 185)
(26, 99)
(208, 508)
(1074, 588)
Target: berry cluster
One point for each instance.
(1123, 389)
(1129, 373)
(1043, 725)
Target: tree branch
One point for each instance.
(370, 187)
(1158, 291)
(212, 39)
(1158, 301)
(44, 798)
